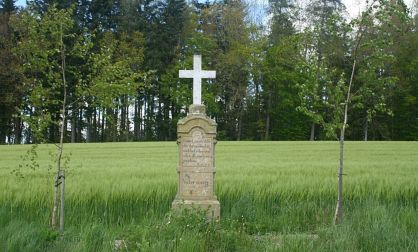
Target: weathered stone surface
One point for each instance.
(196, 185)
(212, 207)
(196, 169)
(196, 151)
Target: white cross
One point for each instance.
(197, 74)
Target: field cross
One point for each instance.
(197, 74)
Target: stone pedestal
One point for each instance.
(196, 170)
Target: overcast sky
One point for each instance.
(355, 6)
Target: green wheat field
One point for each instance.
(275, 196)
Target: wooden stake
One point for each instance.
(55, 204)
(62, 177)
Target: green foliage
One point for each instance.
(280, 77)
(322, 93)
(7, 5)
(123, 57)
(234, 49)
(405, 107)
(375, 76)
(115, 69)
(10, 82)
(29, 161)
(40, 49)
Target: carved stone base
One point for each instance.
(197, 109)
(212, 207)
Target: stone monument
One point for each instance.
(196, 138)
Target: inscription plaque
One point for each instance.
(196, 151)
(196, 185)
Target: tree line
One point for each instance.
(114, 65)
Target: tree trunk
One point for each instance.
(258, 107)
(94, 126)
(160, 123)
(103, 130)
(166, 119)
(108, 128)
(31, 136)
(60, 172)
(312, 138)
(3, 129)
(73, 127)
(146, 119)
(136, 117)
(127, 123)
(339, 209)
(115, 125)
(80, 126)
(149, 131)
(366, 129)
(141, 120)
(239, 132)
(51, 133)
(174, 117)
(65, 127)
(18, 130)
(9, 138)
(267, 133)
(123, 115)
(89, 124)
(99, 125)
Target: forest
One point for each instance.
(107, 70)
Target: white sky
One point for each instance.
(355, 6)
(21, 2)
(257, 10)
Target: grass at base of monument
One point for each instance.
(370, 226)
(274, 195)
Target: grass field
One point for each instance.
(275, 196)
